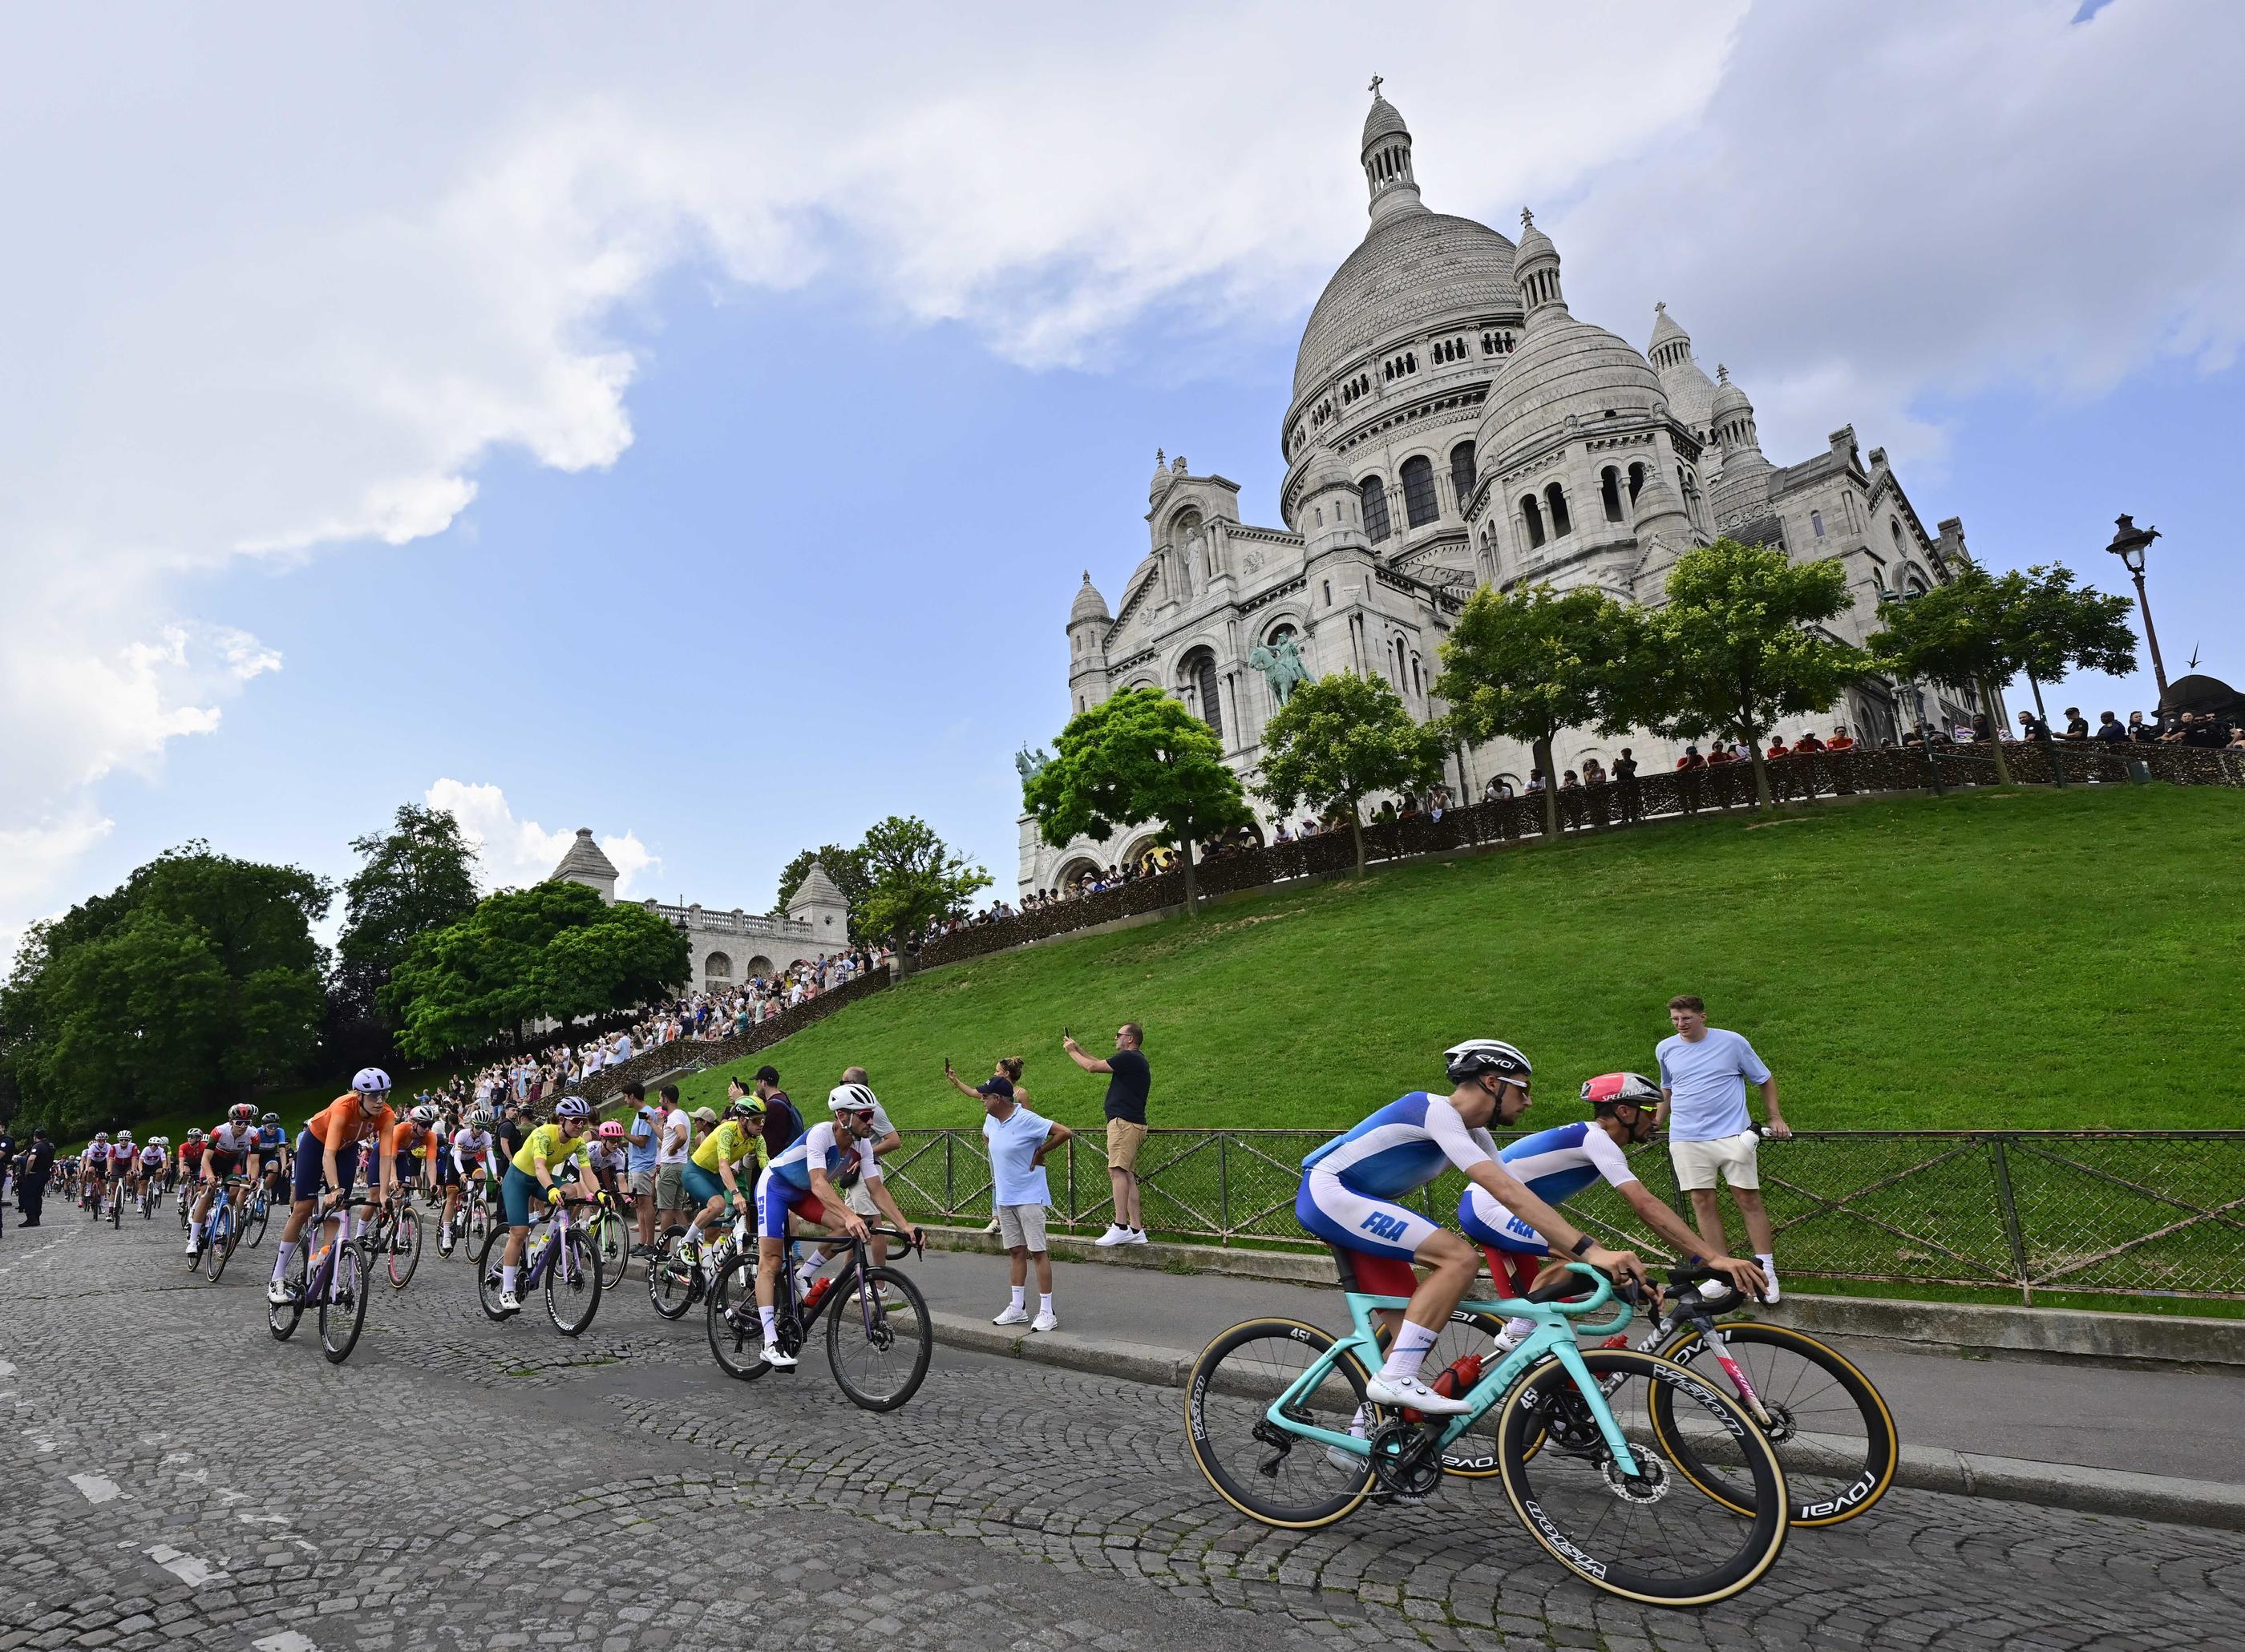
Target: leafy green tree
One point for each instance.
(911, 880)
(1337, 739)
(196, 979)
(1138, 756)
(417, 876)
(554, 951)
(1738, 647)
(1984, 629)
(1526, 663)
(845, 866)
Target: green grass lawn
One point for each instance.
(2026, 959)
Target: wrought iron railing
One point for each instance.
(2043, 1213)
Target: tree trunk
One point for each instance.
(1356, 831)
(1192, 901)
(1550, 788)
(1763, 797)
(1995, 734)
(2049, 742)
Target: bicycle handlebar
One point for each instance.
(1687, 1278)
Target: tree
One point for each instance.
(1338, 738)
(845, 866)
(912, 879)
(197, 978)
(420, 875)
(1525, 664)
(554, 951)
(1138, 756)
(1738, 646)
(1984, 629)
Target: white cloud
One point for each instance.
(518, 852)
(294, 275)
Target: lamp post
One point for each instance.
(2129, 544)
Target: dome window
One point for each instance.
(1531, 515)
(1462, 473)
(1374, 494)
(1610, 492)
(1554, 497)
(1420, 505)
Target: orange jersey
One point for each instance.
(340, 1124)
(409, 1137)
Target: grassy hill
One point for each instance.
(2029, 958)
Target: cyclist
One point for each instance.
(1555, 1165)
(474, 1159)
(800, 1180)
(233, 1152)
(1352, 1192)
(150, 1178)
(125, 1161)
(335, 1142)
(547, 1151)
(272, 1148)
(191, 1157)
(711, 1175)
(416, 1137)
(607, 1160)
(93, 1171)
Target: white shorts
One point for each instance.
(1698, 1163)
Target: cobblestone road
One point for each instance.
(171, 1478)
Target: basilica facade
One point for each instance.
(1453, 425)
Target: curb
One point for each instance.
(2156, 1342)
(1925, 1468)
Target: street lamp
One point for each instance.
(2129, 544)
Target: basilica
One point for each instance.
(1453, 424)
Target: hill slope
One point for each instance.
(2035, 959)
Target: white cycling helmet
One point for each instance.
(371, 1081)
(1479, 1058)
(424, 1115)
(850, 1098)
(479, 1120)
(572, 1107)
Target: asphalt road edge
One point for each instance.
(2085, 1490)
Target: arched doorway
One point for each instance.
(761, 968)
(717, 971)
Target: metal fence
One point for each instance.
(2043, 1213)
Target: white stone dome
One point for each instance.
(1089, 604)
(1729, 399)
(1563, 367)
(1414, 272)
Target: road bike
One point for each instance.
(335, 1280)
(471, 1221)
(559, 1261)
(255, 1214)
(221, 1232)
(879, 1336)
(395, 1236)
(677, 1277)
(610, 1230)
(1278, 1421)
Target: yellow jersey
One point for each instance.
(549, 1142)
(729, 1144)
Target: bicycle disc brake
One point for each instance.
(1404, 1459)
(1651, 1483)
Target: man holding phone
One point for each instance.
(1129, 1079)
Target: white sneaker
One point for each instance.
(1136, 1236)
(1771, 1295)
(1114, 1235)
(508, 1304)
(992, 1228)
(278, 1293)
(1014, 1315)
(1409, 1390)
(1047, 1320)
(777, 1359)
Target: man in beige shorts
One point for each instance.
(1129, 1082)
(1704, 1074)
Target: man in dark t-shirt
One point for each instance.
(1129, 1081)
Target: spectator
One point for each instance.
(1778, 747)
(1594, 772)
(674, 1144)
(2205, 734)
(31, 1180)
(1018, 1140)
(1535, 781)
(1840, 740)
(2077, 726)
(2031, 727)
(1722, 756)
(1131, 1080)
(1571, 781)
(2110, 730)
(509, 1132)
(783, 1124)
(2139, 732)
(1704, 1071)
(638, 1163)
(1625, 773)
(1691, 759)
(1807, 742)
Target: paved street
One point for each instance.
(170, 1477)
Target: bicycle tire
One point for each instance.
(234, 1229)
(185, 1204)
(489, 1260)
(406, 1244)
(281, 1320)
(736, 1330)
(860, 1317)
(1614, 1554)
(254, 1229)
(1828, 1479)
(117, 1208)
(673, 1286)
(612, 1242)
(342, 1315)
(218, 1250)
(1225, 1397)
(573, 1274)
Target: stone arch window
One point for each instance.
(718, 966)
(1636, 482)
(1420, 505)
(1462, 473)
(1532, 513)
(1610, 492)
(1329, 585)
(1816, 523)
(1198, 669)
(1373, 493)
(1894, 527)
(762, 967)
(1555, 498)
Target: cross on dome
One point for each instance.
(1527, 219)
(1375, 87)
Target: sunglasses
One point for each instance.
(863, 1115)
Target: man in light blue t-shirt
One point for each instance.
(1704, 1074)
(1018, 1140)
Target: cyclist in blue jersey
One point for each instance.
(1352, 1192)
(1557, 1164)
(801, 1180)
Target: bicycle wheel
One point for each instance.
(737, 1332)
(343, 1316)
(489, 1279)
(186, 1205)
(116, 1207)
(1259, 1468)
(1830, 1428)
(282, 1320)
(572, 1284)
(218, 1249)
(613, 1236)
(672, 1285)
(879, 1339)
(1656, 1538)
(479, 1224)
(253, 1225)
(404, 1247)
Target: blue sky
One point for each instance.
(651, 445)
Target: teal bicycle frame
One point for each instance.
(1554, 1334)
